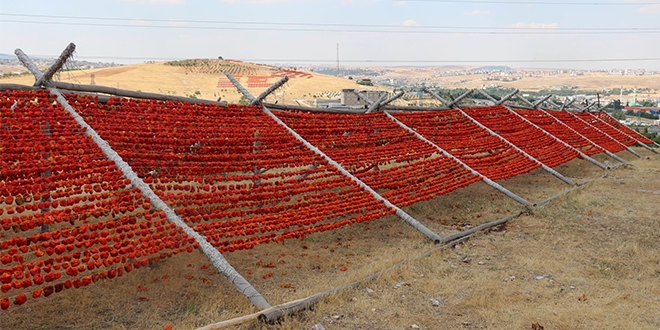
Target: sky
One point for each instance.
(519, 33)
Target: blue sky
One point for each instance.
(184, 36)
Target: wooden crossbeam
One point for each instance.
(270, 90)
(374, 106)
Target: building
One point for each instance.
(351, 99)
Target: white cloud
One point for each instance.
(477, 12)
(409, 22)
(157, 2)
(399, 3)
(523, 25)
(650, 9)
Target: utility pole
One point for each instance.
(338, 73)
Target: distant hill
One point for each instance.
(493, 68)
(7, 57)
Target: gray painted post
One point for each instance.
(270, 90)
(507, 97)
(486, 180)
(212, 253)
(393, 98)
(438, 97)
(374, 106)
(48, 75)
(607, 152)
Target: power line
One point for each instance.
(434, 61)
(545, 3)
(181, 21)
(538, 31)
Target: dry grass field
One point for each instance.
(175, 80)
(587, 260)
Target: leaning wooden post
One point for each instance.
(394, 97)
(541, 101)
(374, 106)
(212, 253)
(624, 133)
(271, 89)
(529, 103)
(486, 180)
(566, 103)
(364, 97)
(507, 97)
(437, 97)
(607, 152)
(240, 87)
(48, 75)
(584, 156)
(601, 132)
(461, 97)
(399, 212)
(482, 92)
(543, 166)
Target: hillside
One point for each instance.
(205, 79)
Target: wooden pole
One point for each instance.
(240, 87)
(458, 99)
(129, 93)
(438, 97)
(399, 212)
(507, 97)
(482, 92)
(525, 101)
(584, 156)
(543, 166)
(48, 75)
(486, 180)
(376, 105)
(393, 98)
(211, 252)
(541, 101)
(364, 97)
(270, 90)
(607, 152)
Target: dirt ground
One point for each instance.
(598, 241)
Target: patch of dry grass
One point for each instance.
(600, 241)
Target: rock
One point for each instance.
(337, 317)
(400, 284)
(466, 259)
(318, 326)
(435, 302)
(466, 323)
(480, 263)
(414, 326)
(354, 299)
(540, 277)
(373, 309)
(572, 287)
(370, 291)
